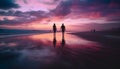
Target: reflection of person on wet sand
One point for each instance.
(54, 29)
(63, 42)
(54, 38)
(54, 41)
(63, 30)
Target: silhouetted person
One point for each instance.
(63, 30)
(54, 29)
(54, 41)
(94, 30)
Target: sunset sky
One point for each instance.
(75, 14)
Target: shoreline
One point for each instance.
(15, 35)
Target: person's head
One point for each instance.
(54, 24)
(62, 24)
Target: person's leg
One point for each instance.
(62, 35)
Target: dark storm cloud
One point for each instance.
(22, 17)
(23, 14)
(8, 4)
(16, 21)
(105, 7)
(25, 1)
(52, 2)
(63, 8)
(9, 22)
(96, 8)
(95, 5)
(99, 2)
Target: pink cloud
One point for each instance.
(35, 5)
(8, 17)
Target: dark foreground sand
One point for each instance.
(109, 57)
(105, 39)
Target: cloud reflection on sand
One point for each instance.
(70, 39)
(44, 49)
(45, 40)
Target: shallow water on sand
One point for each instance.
(46, 51)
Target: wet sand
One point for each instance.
(109, 54)
(106, 39)
(44, 51)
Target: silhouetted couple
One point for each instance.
(62, 28)
(63, 31)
